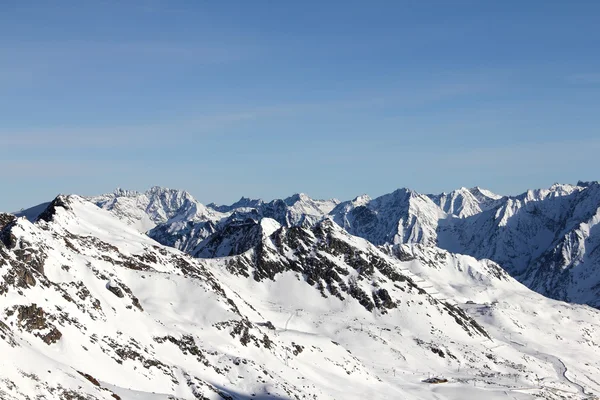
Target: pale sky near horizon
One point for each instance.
(270, 98)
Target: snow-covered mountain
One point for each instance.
(90, 308)
(301, 298)
(93, 309)
(176, 219)
(545, 238)
(290, 211)
(465, 202)
(403, 216)
(145, 211)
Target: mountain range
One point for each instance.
(547, 239)
(154, 295)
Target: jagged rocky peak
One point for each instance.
(244, 202)
(556, 190)
(44, 211)
(464, 202)
(152, 207)
(344, 267)
(290, 210)
(403, 216)
(293, 199)
(61, 201)
(361, 200)
(484, 194)
(235, 236)
(302, 206)
(587, 183)
(167, 195)
(6, 219)
(120, 192)
(107, 294)
(169, 199)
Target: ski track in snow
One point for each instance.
(557, 363)
(288, 320)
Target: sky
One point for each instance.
(264, 99)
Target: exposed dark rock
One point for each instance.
(90, 378)
(186, 344)
(383, 298)
(33, 318)
(297, 348)
(115, 290)
(6, 219)
(59, 202)
(267, 324)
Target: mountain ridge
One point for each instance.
(472, 221)
(92, 308)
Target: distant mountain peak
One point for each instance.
(296, 197)
(120, 192)
(480, 192)
(361, 200)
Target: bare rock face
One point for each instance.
(33, 319)
(58, 202)
(115, 290)
(6, 219)
(6, 237)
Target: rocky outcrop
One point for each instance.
(33, 319)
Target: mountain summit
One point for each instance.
(153, 295)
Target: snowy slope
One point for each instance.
(561, 338)
(230, 229)
(290, 211)
(296, 209)
(546, 238)
(176, 219)
(404, 332)
(465, 202)
(403, 216)
(156, 206)
(91, 307)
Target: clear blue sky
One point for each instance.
(268, 98)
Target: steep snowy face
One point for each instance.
(90, 308)
(569, 269)
(335, 263)
(302, 208)
(466, 202)
(403, 216)
(153, 207)
(407, 293)
(231, 230)
(290, 211)
(546, 238)
(235, 236)
(455, 276)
